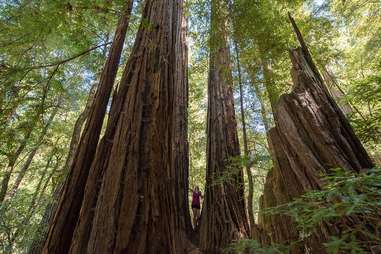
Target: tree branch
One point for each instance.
(70, 58)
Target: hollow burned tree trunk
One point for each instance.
(140, 161)
(311, 136)
(223, 216)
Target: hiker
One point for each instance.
(196, 196)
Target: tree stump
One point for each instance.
(311, 137)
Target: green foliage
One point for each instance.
(51, 53)
(18, 226)
(255, 247)
(197, 73)
(359, 25)
(343, 195)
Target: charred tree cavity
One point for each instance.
(311, 137)
(223, 217)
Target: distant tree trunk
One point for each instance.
(264, 110)
(245, 144)
(268, 80)
(336, 92)
(43, 186)
(37, 245)
(36, 198)
(65, 218)
(223, 216)
(311, 136)
(12, 159)
(31, 155)
(136, 210)
(76, 135)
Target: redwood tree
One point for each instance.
(180, 151)
(65, 218)
(141, 162)
(311, 137)
(223, 216)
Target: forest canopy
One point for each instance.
(113, 112)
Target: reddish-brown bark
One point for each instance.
(66, 215)
(223, 216)
(180, 151)
(311, 136)
(142, 161)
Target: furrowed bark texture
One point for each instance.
(311, 136)
(94, 181)
(180, 150)
(179, 157)
(66, 215)
(223, 216)
(136, 209)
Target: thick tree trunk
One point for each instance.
(66, 214)
(180, 151)
(223, 216)
(311, 136)
(94, 181)
(132, 194)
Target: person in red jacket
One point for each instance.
(196, 200)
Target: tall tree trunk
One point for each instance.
(180, 153)
(311, 136)
(31, 155)
(37, 245)
(245, 143)
(66, 215)
(37, 196)
(12, 159)
(76, 135)
(264, 110)
(136, 209)
(272, 91)
(36, 201)
(223, 216)
(94, 181)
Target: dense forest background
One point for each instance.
(51, 58)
